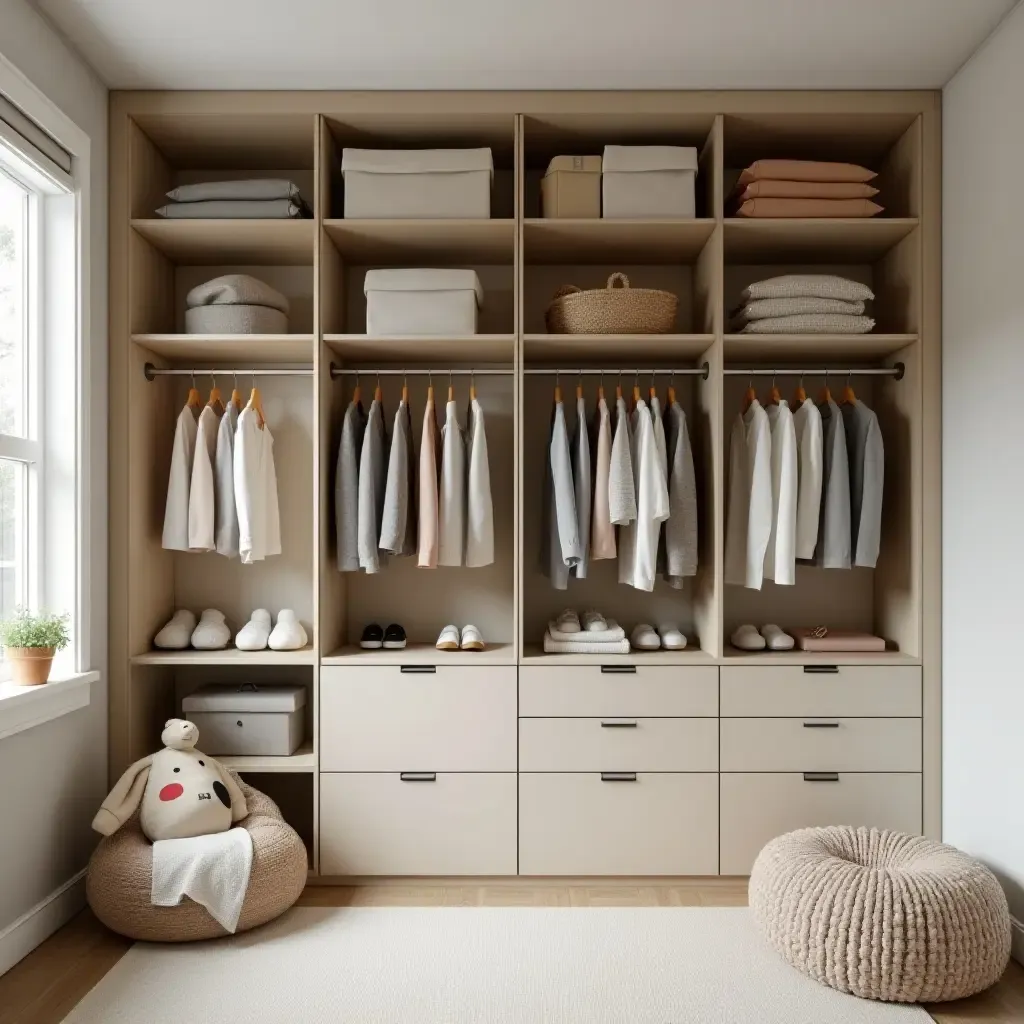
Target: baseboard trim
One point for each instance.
(37, 924)
(1017, 940)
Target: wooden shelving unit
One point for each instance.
(228, 657)
(838, 240)
(477, 349)
(216, 242)
(850, 348)
(302, 760)
(587, 349)
(450, 242)
(624, 241)
(233, 349)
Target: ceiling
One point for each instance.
(526, 44)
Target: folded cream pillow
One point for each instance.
(811, 323)
(822, 286)
(804, 170)
(809, 208)
(771, 188)
(250, 188)
(760, 309)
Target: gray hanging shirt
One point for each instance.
(346, 487)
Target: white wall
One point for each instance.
(983, 458)
(54, 776)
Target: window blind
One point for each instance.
(34, 144)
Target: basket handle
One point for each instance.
(566, 289)
(618, 281)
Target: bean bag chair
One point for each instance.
(119, 879)
(881, 914)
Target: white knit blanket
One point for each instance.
(580, 647)
(613, 634)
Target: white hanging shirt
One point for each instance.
(479, 506)
(582, 487)
(833, 548)
(201, 495)
(681, 528)
(259, 522)
(451, 502)
(807, 423)
(780, 557)
(373, 470)
(179, 481)
(750, 498)
(225, 516)
(397, 527)
(621, 484)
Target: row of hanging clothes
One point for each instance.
(805, 486)
(222, 486)
(620, 487)
(389, 500)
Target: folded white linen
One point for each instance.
(212, 870)
(759, 309)
(811, 323)
(612, 634)
(580, 647)
(233, 209)
(253, 189)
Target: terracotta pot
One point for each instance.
(30, 666)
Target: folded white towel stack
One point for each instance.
(248, 199)
(804, 304)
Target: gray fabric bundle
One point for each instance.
(810, 323)
(236, 304)
(823, 286)
(803, 304)
(236, 290)
(233, 209)
(258, 189)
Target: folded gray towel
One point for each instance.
(237, 209)
(251, 189)
(236, 290)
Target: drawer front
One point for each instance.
(381, 719)
(757, 808)
(378, 824)
(578, 824)
(821, 744)
(856, 691)
(587, 691)
(618, 744)
(243, 733)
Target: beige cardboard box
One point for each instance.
(571, 187)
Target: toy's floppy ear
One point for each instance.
(124, 798)
(239, 809)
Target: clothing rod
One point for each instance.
(896, 372)
(415, 371)
(643, 371)
(151, 372)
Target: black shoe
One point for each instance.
(394, 637)
(373, 638)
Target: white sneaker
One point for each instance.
(176, 634)
(212, 633)
(747, 638)
(449, 639)
(471, 639)
(288, 634)
(643, 638)
(255, 634)
(776, 639)
(672, 638)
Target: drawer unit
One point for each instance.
(855, 691)
(593, 691)
(618, 824)
(821, 744)
(618, 744)
(384, 719)
(421, 824)
(757, 808)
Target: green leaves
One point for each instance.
(25, 629)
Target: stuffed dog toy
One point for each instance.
(182, 791)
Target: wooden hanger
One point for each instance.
(800, 395)
(378, 395)
(558, 389)
(636, 388)
(472, 388)
(256, 403)
(236, 395)
(751, 396)
(826, 394)
(653, 392)
(849, 398)
(194, 401)
(357, 392)
(405, 389)
(430, 387)
(775, 396)
(672, 390)
(451, 388)
(618, 387)
(214, 401)
(579, 386)
(600, 387)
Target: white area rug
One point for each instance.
(426, 965)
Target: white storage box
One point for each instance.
(649, 181)
(422, 301)
(248, 719)
(417, 183)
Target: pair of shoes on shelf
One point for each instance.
(210, 633)
(452, 640)
(668, 637)
(747, 638)
(256, 635)
(391, 639)
(590, 621)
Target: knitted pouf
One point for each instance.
(119, 880)
(882, 915)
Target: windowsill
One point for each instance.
(24, 707)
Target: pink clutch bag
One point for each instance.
(821, 639)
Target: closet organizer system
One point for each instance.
(510, 760)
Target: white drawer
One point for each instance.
(380, 719)
(618, 744)
(586, 691)
(864, 691)
(821, 744)
(579, 824)
(757, 808)
(378, 824)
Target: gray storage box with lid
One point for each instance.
(249, 719)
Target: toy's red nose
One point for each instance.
(172, 791)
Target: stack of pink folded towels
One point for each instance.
(804, 188)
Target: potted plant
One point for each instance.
(30, 641)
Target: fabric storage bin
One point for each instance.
(649, 181)
(249, 719)
(417, 183)
(571, 187)
(240, 319)
(422, 301)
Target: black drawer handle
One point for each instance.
(419, 669)
(822, 670)
(821, 725)
(821, 776)
(618, 725)
(618, 776)
(418, 776)
(619, 670)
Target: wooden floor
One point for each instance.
(44, 987)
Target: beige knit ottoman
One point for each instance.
(121, 870)
(882, 915)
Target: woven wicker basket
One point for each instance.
(616, 309)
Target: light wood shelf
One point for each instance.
(448, 242)
(243, 349)
(423, 654)
(593, 349)
(733, 656)
(222, 242)
(761, 349)
(615, 241)
(533, 654)
(475, 349)
(228, 656)
(301, 761)
(840, 240)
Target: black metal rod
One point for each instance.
(896, 372)
(151, 372)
